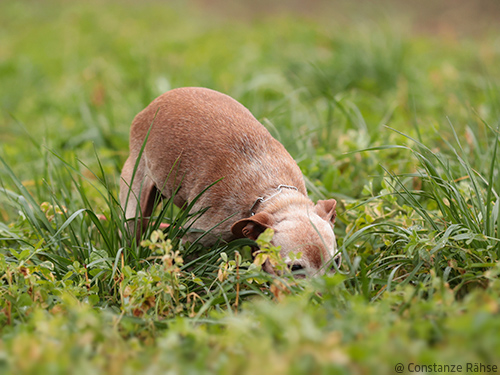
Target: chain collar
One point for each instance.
(262, 199)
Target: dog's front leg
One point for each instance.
(137, 196)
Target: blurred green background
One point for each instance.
(76, 73)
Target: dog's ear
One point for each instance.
(252, 226)
(326, 210)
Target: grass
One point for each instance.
(400, 126)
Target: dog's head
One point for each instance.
(298, 229)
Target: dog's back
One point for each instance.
(210, 136)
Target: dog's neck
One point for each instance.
(261, 200)
(278, 198)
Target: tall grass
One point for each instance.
(448, 226)
(68, 234)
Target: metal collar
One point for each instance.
(262, 199)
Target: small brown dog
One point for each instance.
(198, 136)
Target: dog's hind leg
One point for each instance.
(137, 196)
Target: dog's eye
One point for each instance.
(296, 267)
(338, 262)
